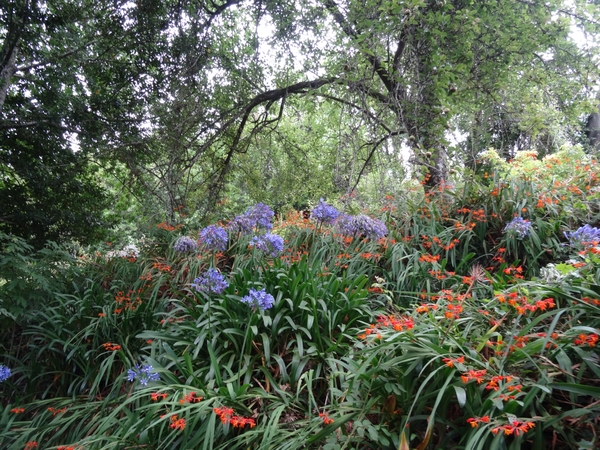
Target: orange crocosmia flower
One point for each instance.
(156, 396)
(177, 424)
(326, 419)
(56, 411)
(190, 398)
(451, 361)
(31, 445)
(475, 421)
(477, 375)
(17, 410)
(422, 309)
(108, 346)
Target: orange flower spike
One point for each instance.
(326, 419)
(473, 422)
(156, 396)
(17, 410)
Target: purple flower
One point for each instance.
(143, 374)
(585, 235)
(185, 244)
(258, 299)
(324, 213)
(257, 217)
(4, 372)
(214, 238)
(361, 225)
(519, 227)
(270, 244)
(211, 281)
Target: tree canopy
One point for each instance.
(196, 98)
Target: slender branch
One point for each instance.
(375, 146)
(383, 74)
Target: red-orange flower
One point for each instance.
(177, 424)
(108, 346)
(515, 427)
(451, 361)
(156, 396)
(475, 421)
(326, 419)
(190, 398)
(477, 375)
(17, 410)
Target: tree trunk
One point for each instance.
(592, 131)
(7, 68)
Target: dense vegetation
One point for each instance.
(283, 224)
(465, 317)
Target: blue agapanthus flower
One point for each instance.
(211, 282)
(585, 235)
(143, 374)
(324, 213)
(4, 372)
(185, 244)
(519, 227)
(270, 244)
(214, 238)
(258, 299)
(258, 217)
(361, 225)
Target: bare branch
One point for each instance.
(375, 145)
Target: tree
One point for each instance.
(70, 80)
(176, 91)
(416, 68)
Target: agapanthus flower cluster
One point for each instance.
(270, 244)
(324, 213)
(214, 238)
(519, 227)
(185, 244)
(259, 299)
(258, 217)
(4, 372)
(143, 374)
(211, 282)
(585, 235)
(361, 225)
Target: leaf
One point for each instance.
(404, 442)
(461, 395)
(577, 388)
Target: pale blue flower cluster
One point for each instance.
(270, 244)
(361, 225)
(185, 244)
(4, 372)
(258, 299)
(584, 235)
(211, 282)
(324, 213)
(143, 374)
(519, 227)
(258, 217)
(214, 238)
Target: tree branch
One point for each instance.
(383, 74)
(375, 146)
